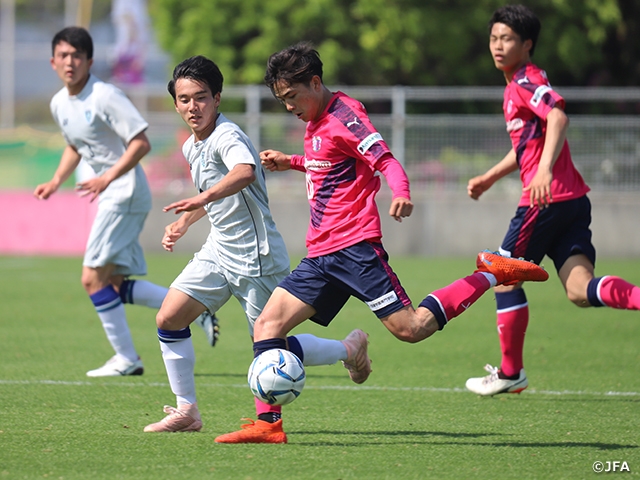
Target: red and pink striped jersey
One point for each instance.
(343, 152)
(528, 99)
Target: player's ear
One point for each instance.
(316, 83)
(216, 100)
(527, 44)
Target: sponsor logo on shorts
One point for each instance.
(383, 301)
(368, 142)
(538, 94)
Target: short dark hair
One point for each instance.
(298, 63)
(77, 37)
(521, 20)
(200, 69)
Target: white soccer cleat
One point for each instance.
(117, 366)
(209, 323)
(492, 384)
(185, 418)
(357, 362)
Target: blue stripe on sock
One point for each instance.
(264, 345)
(171, 336)
(295, 348)
(431, 304)
(106, 299)
(592, 292)
(505, 300)
(126, 291)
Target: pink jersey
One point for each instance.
(528, 99)
(343, 151)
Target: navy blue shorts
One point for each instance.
(560, 231)
(361, 270)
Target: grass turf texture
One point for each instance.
(412, 419)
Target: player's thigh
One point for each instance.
(311, 285)
(253, 293)
(363, 271)
(204, 281)
(114, 240)
(282, 313)
(178, 310)
(559, 231)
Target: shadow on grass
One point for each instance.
(408, 433)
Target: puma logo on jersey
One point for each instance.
(355, 122)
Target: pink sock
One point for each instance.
(512, 326)
(618, 293)
(262, 407)
(461, 294)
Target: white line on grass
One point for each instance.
(312, 387)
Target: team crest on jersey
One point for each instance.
(88, 115)
(316, 144)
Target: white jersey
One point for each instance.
(99, 123)
(243, 237)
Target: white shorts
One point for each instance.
(114, 240)
(212, 285)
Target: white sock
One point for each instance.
(179, 361)
(114, 322)
(321, 351)
(148, 294)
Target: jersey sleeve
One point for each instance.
(297, 162)
(234, 151)
(121, 115)
(355, 134)
(395, 175)
(539, 97)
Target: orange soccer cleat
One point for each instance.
(509, 271)
(256, 432)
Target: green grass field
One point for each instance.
(412, 419)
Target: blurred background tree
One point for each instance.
(402, 42)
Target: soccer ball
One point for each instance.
(276, 377)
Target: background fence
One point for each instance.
(440, 153)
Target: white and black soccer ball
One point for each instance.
(276, 377)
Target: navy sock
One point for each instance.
(171, 336)
(510, 299)
(431, 304)
(295, 348)
(592, 292)
(126, 291)
(270, 343)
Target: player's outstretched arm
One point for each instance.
(137, 148)
(68, 162)
(480, 184)
(240, 176)
(176, 230)
(274, 161)
(540, 186)
(401, 205)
